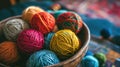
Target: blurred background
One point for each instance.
(99, 15)
(108, 9)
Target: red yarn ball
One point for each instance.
(43, 22)
(30, 41)
(70, 20)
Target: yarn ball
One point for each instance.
(116, 39)
(30, 41)
(30, 11)
(43, 22)
(42, 58)
(65, 44)
(101, 58)
(50, 11)
(70, 20)
(48, 38)
(55, 6)
(13, 27)
(105, 33)
(89, 53)
(57, 13)
(89, 61)
(8, 52)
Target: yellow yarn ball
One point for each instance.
(30, 11)
(65, 44)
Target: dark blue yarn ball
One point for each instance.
(105, 33)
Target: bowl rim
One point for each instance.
(85, 45)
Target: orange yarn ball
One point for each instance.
(56, 6)
(8, 52)
(30, 11)
(43, 22)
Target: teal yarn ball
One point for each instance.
(13, 27)
(50, 11)
(57, 13)
(101, 58)
(42, 58)
(48, 38)
(89, 61)
(89, 53)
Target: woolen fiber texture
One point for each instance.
(48, 38)
(30, 41)
(101, 58)
(89, 61)
(69, 20)
(65, 44)
(30, 11)
(8, 52)
(42, 58)
(43, 22)
(13, 27)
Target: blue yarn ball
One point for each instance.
(89, 61)
(105, 33)
(89, 53)
(116, 39)
(42, 58)
(48, 38)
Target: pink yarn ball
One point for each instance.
(30, 41)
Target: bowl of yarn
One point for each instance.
(42, 46)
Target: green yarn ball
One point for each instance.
(13, 27)
(101, 58)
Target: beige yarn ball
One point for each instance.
(30, 11)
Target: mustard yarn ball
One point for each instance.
(64, 43)
(13, 27)
(30, 11)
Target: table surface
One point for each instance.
(112, 51)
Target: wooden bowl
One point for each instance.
(84, 35)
